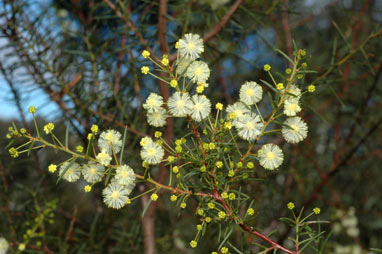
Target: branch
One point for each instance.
(214, 31)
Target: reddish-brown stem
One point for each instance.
(267, 239)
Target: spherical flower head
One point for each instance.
(211, 205)
(267, 67)
(211, 146)
(294, 130)
(158, 134)
(70, 173)
(208, 219)
(152, 153)
(198, 72)
(232, 196)
(153, 103)
(271, 156)
(227, 125)
(175, 169)
(145, 141)
(178, 149)
(221, 214)
(249, 126)
(170, 158)
(237, 110)
(32, 109)
(79, 149)
(94, 129)
(290, 205)
(201, 107)
(251, 93)
(203, 169)
(174, 83)
(52, 168)
(183, 205)
(165, 61)
(316, 210)
(250, 165)
(157, 118)
(103, 158)
(288, 71)
(173, 198)
(13, 152)
(191, 45)
(231, 173)
(21, 247)
(199, 89)
(87, 188)
(145, 70)
(145, 54)
(182, 65)
(90, 136)
(48, 128)
(3, 245)
(193, 244)
(199, 227)
(311, 88)
(125, 175)
(180, 104)
(224, 195)
(200, 211)
(110, 141)
(219, 106)
(280, 86)
(291, 107)
(154, 197)
(93, 172)
(250, 211)
(115, 195)
(219, 164)
(224, 250)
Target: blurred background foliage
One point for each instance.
(80, 59)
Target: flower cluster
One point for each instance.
(3, 245)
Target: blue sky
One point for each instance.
(37, 98)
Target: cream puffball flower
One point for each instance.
(191, 45)
(115, 195)
(295, 130)
(71, 173)
(291, 107)
(201, 107)
(157, 118)
(236, 110)
(182, 65)
(179, 104)
(152, 153)
(153, 102)
(109, 141)
(251, 93)
(198, 72)
(104, 158)
(125, 175)
(93, 172)
(3, 245)
(249, 126)
(271, 156)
